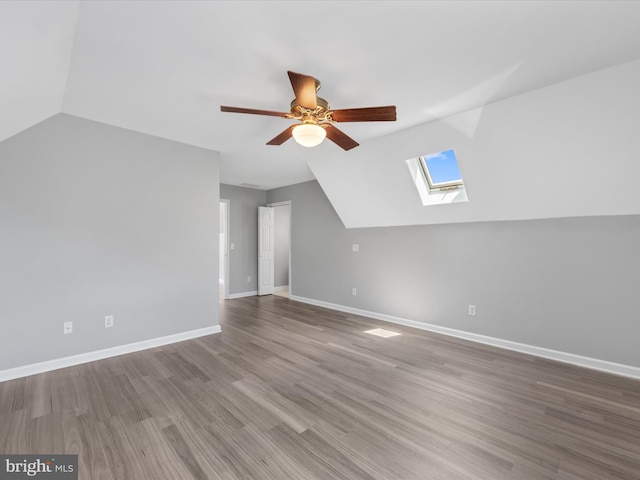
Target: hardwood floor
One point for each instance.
(293, 391)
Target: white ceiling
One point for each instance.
(164, 67)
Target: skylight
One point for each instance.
(441, 170)
(437, 178)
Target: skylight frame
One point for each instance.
(449, 185)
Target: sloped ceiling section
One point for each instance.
(571, 149)
(164, 68)
(36, 39)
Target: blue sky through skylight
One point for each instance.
(443, 167)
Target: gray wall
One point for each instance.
(566, 284)
(281, 245)
(243, 233)
(97, 220)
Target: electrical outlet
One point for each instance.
(355, 247)
(108, 321)
(354, 292)
(232, 246)
(472, 310)
(67, 327)
(249, 279)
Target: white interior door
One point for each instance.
(265, 250)
(224, 245)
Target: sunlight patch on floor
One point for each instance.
(381, 332)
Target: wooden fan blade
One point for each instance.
(252, 111)
(283, 137)
(369, 114)
(304, 87)
(340, 138)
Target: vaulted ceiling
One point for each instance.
(164, 68)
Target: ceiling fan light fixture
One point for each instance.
(316, 117)
(309, 134)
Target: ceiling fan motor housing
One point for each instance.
(321, 113)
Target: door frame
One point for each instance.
(282, 204)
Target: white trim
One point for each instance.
(49, 365)
(279, 204)
(279, 289)
(243, 294)
(587, 362)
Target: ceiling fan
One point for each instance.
(316, 116)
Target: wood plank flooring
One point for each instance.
(293, 391)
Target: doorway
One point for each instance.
(282, 248)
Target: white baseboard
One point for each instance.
(588, 362)
(49, 365)
(243, 294)
(279, 289)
